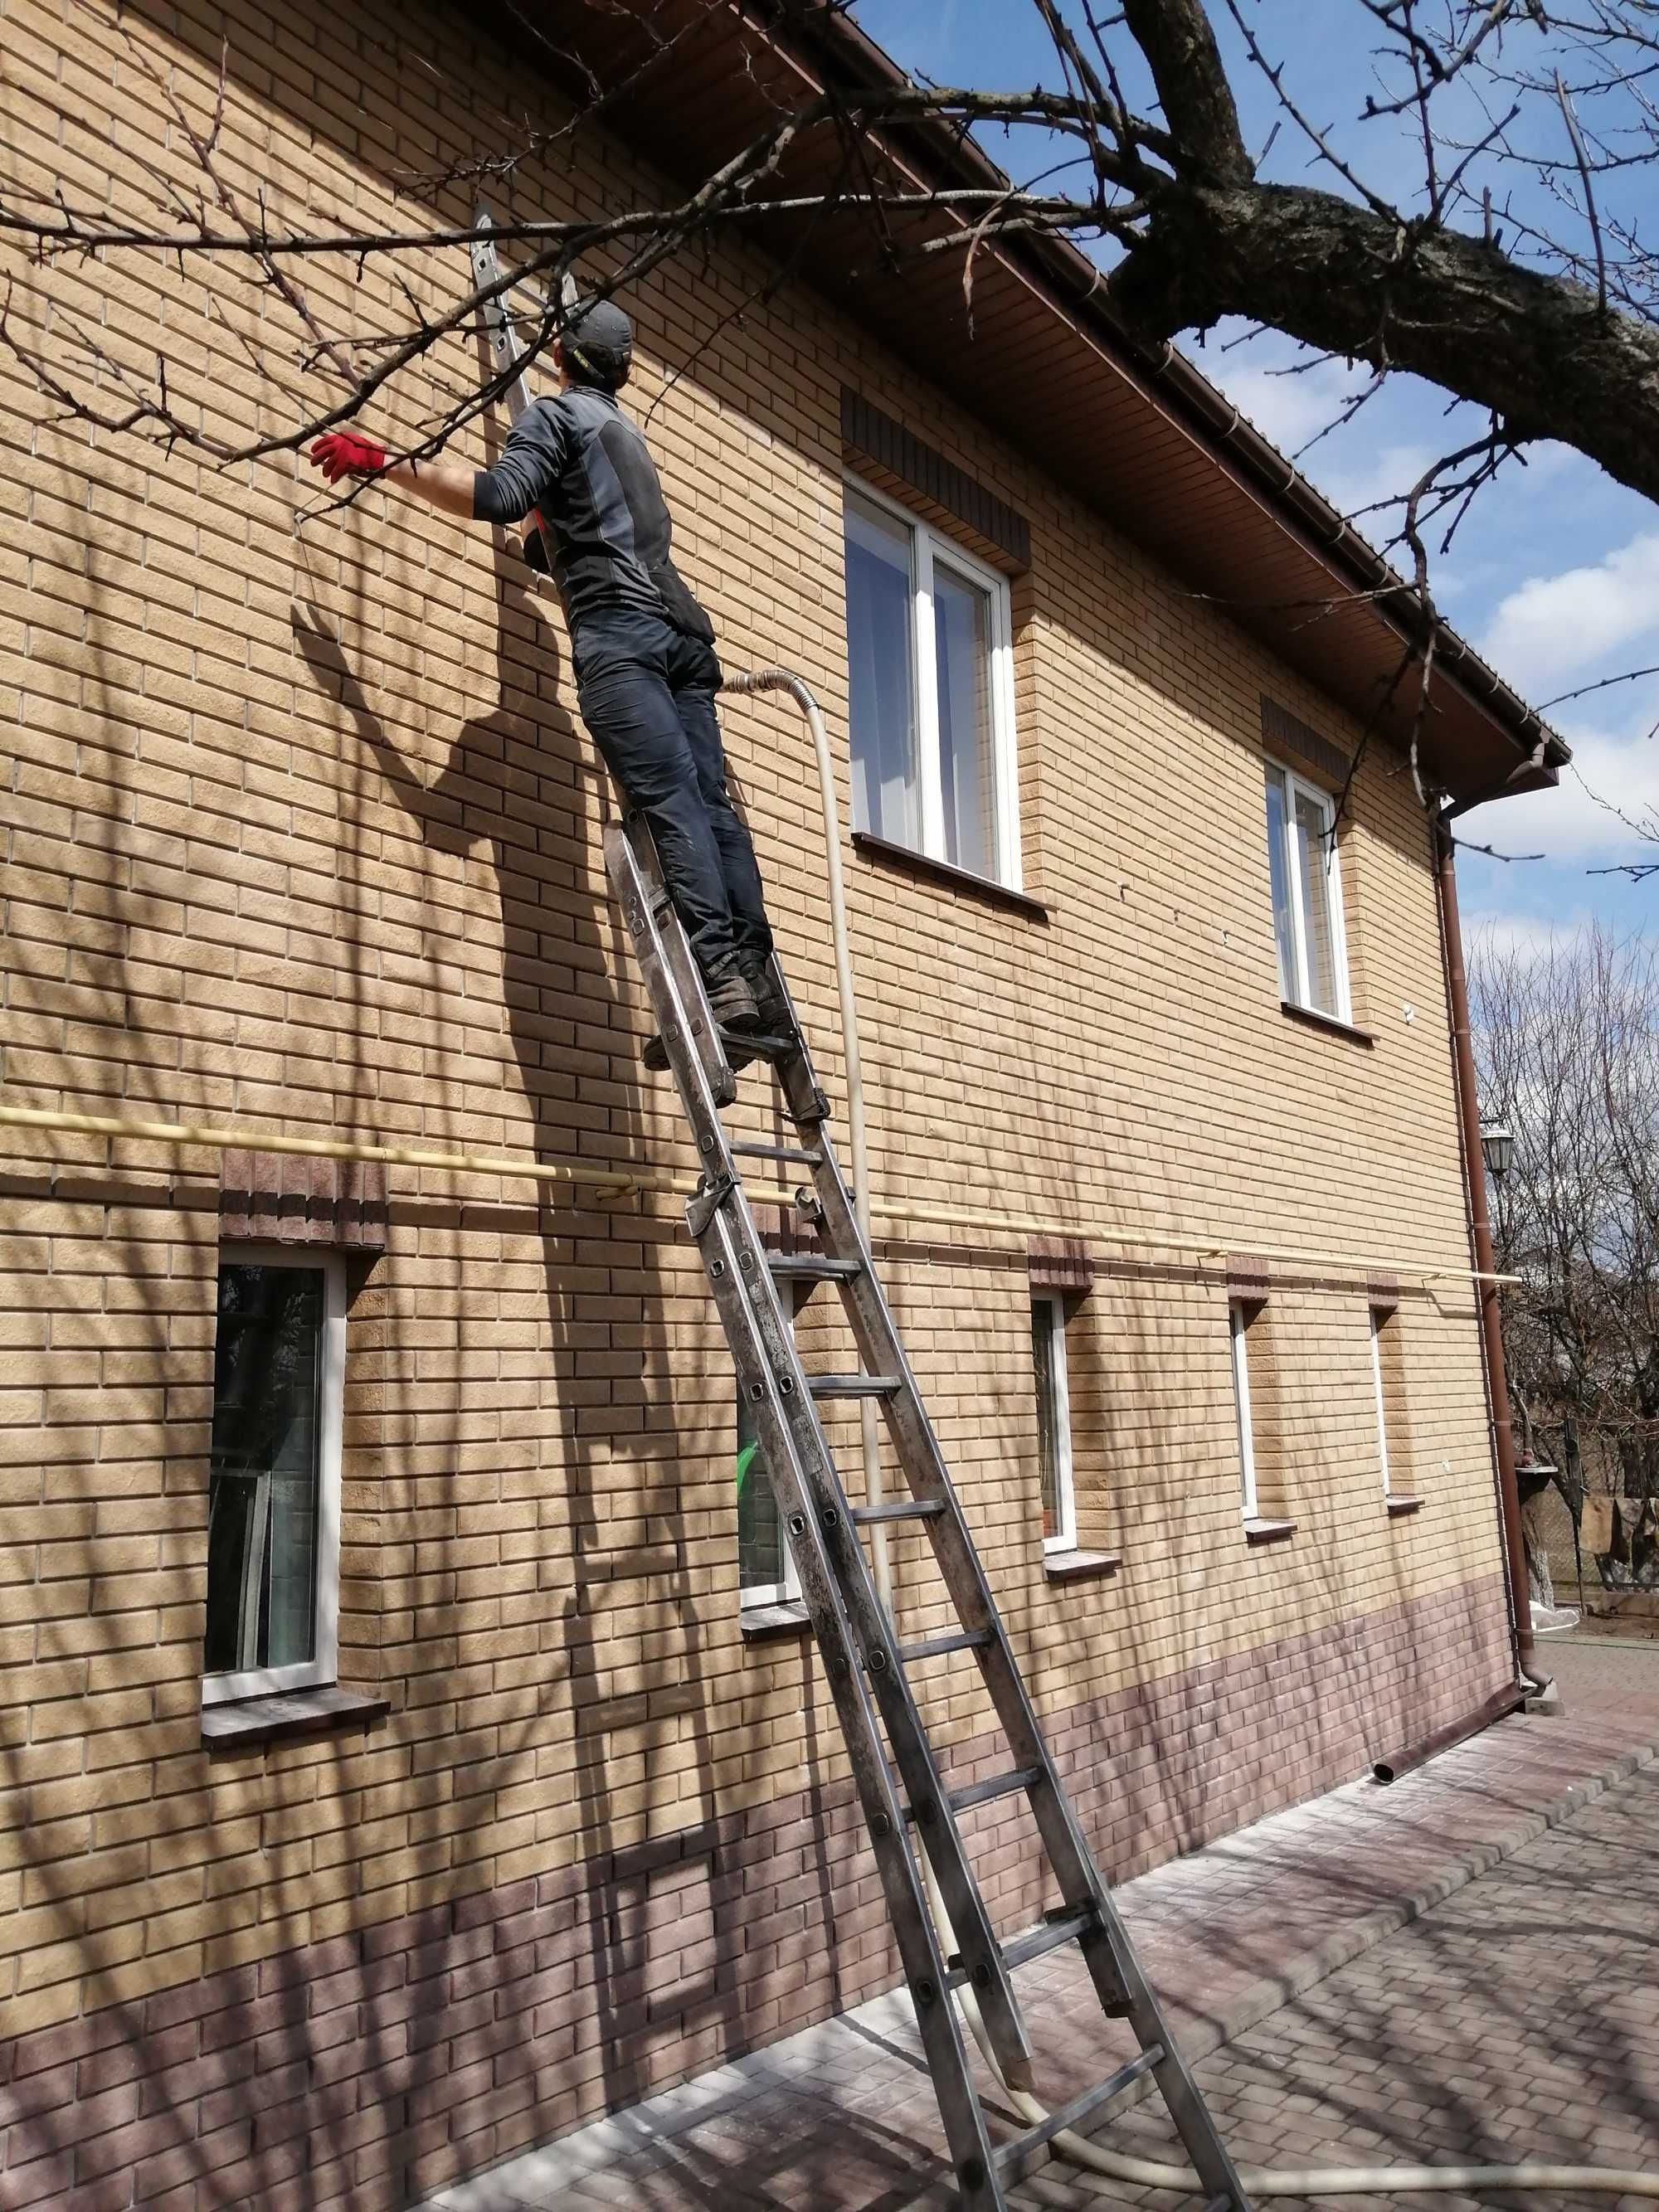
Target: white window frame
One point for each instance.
(1300, 993)
(1379, 1318)
(1238, 1327)
(1065, 1537)
(928, 545)
(322, 1670)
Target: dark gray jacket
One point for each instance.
(582, 465)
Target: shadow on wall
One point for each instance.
(650, 1900)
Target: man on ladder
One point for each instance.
(642, 647)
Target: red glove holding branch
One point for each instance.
(339, 454)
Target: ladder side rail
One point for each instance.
(497, 320)
(875, 1646)
(720, 1218)
(960, 1565)
(759, 1368)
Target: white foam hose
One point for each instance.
(1317, 2181)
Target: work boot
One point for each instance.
(773, 1008)
(731, 1002)
(732, 999)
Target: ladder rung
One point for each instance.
(812, 1266)
(1017, 2159)
(935, 1647)
(1048, 1936)
(997, 1785)
(853, 1386)
(902, 1508)
(795, 1155)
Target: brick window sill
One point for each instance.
(1268, 1532)
(906, 860)
(246, 1721)
(1080, 1567)
(1327, 1022)
(1401, 1507)
(763, 1624)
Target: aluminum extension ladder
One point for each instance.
(898, 1780)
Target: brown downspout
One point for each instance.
(1492, 1333)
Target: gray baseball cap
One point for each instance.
(598, 343)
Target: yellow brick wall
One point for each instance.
(228, 893)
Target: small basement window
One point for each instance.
(766, 1566)
(1054, 1425)
(273, 1587)
(1393, 1443)
(1239, 1316)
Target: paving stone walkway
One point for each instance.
(1462, 1968)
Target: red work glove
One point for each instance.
(339, 454)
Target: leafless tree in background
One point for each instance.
(1567, 1047)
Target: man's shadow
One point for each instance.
(516, 780)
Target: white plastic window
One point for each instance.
(1307, 895)
(930, 659)
(1238, 1329)
(273, 1590)
(1054, 1425)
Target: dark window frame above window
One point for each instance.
(926, 815)
(227, 1684)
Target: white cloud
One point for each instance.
(1554, 629)
(1576, 822)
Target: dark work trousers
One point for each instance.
(646, 694)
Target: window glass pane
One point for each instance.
(961, 632)
(263, 1482)
(1042, 1359)
(760, 1556)
(1315, 853)
(1279, 867)
(879, 634)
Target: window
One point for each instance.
(1054, 1425)
(1389, 1381)
(1238, 1325)
(929, 662)
(1306, 893)
(766, 1568)
(274, 1475)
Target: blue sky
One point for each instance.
(1555, 573)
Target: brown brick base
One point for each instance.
(370, 2069)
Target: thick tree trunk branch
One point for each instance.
(1537, 350)
(1181, 51)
